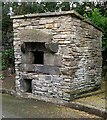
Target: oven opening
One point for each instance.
(28, 85)
(38, 57)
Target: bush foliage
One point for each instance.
(7, 58)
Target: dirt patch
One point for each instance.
(8, 82)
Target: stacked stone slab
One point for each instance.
(78, 57)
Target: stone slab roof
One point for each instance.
(49, 14)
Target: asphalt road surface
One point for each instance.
(13, 107)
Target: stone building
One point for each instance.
(57, 55)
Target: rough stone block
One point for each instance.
(49, 26)
(45, 69)
(42, 21)
(56, 25)
(48, 77)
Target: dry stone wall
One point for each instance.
(79, 53)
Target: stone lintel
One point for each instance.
(34, 36)
(36, 68)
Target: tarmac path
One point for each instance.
(13, 107)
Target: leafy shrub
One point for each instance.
(7, 58)
(101, 21)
